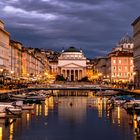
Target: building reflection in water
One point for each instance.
(37, 108)
(11, 130)
(46, 107)
(28, 118)
(72, 109)
(100, 103)
(42, 109)
(51, 102)
(118, 116)
(1, 133)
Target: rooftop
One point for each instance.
(126, 39)
(72, 49)
(136, 21)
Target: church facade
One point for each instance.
(72, 64)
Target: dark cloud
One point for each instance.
(93, 25)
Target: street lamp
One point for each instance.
(1, 70)
(12, 72)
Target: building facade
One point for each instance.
(4, 49)
(32, 66)
(120, 61)
(15, 58)
(72, 64)
(100, 68)
(136, 37)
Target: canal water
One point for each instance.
(70, 118)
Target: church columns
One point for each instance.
(73, 74)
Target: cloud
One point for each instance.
(93, 25)
(24, 14)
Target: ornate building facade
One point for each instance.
(15, 58)
(136, 36)
(4, 48)
(120, 61)
(72, 64)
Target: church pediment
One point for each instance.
(71, 65)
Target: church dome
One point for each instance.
(126, 39)
(72, 49)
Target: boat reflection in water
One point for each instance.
(71, 117)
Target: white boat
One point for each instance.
(18, 97)
(9, 108)
(106, 92)
(2, 112)
(27, 107)
(23, 97)
(24, 106)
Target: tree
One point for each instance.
(60, 78)
(84, 79)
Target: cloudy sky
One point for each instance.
(93, 25)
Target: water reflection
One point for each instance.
(72, 109)
(11, 130)
(0, 133)
(70, 118)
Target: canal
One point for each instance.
(70, 118)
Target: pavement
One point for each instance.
(6, 90)
(136, 91)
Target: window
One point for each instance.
(125, 61)
(114, 74)
(125, 67)
(120, 68)
(114, 67)
(114, 61)
(120, 61)
(131, 68)
(120, 74)
(125, 74)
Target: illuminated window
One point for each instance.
(131, 61)
(120, 74)
(125, 74)
(120, 61)
(114, 74)
(125, 67)
(114, 61)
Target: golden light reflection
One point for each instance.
(28, 116)
(46, 107)
(11, 130)
(118, 116)
(99, 107)
(135, 121)
(90, 94)
(0, 133)
(37, 110)
(105, 100)
(40, 109)
(51, 102)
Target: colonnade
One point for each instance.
(73, 74)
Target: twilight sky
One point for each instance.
(93, 25)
